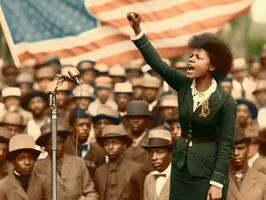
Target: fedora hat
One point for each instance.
(260, 86)
(125, 87)
(86, 65)
(151, 82)
(5, 135)
(114, 131)
(25, 101)
(14, 119)
(103, 82)
(251, 106)
(83, 90)
(158, 138)
(138, 108)
(117, 70)
(106, 112)
(22, 142)
(168, 101)
(240, 136)
(62, 129)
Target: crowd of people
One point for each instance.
(115, 131)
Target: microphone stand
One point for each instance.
(53, 128)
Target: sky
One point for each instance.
(258, 11)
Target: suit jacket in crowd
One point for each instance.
(5, 169)
(74, 181)
(253, 187)
(125, 178)
(260, 164)
(139, 155)
(150, 189)
(95, 154)
(11, 189)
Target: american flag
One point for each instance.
(98, 29)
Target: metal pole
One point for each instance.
(53, 124)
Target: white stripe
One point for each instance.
(68, 42)
(125, 46)
(90, 3)
(140, 7)
(190, 17)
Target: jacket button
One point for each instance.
(190, 131)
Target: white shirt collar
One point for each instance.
(167, 171)
(253, 159)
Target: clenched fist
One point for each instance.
(134, 21)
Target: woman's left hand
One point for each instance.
(214, 193)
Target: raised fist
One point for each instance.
(134, 21)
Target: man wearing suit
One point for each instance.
(159, 147)
(23, 183)
(73, 179)
(92, 153)
(120, 178)
(5, 166)
(245, 183)
(139, 118)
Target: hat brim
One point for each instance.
(42, 140)
(125, 138)
(11, 155)
(114, 120)
(7, 124)
(26, 99)
(147, 147)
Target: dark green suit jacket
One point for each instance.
(208, 159)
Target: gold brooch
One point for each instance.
(205, 110)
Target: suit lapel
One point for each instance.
(17, 187)
(189, 102)
(248, 182)
(121, 179)
(65, 169)
(164, 194)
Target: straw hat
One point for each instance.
(125, 87)
(25, 77)
(151, 82)
(114, 131)
(22, 142)
(158, 138)
(14, 119)
(239, 64)
(62, 129)
(83, 90)
(103, 82)
(11, 92)
(168, 101)
(117, 70)
(260, 86)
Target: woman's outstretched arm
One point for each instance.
(174, 78)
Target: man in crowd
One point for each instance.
(77, 141)
(5, 166)
(87, 71)
(14, 122)
(120, 178)
(73, 179)
(139, 117)
(23, 183)
(103, 87)
(83, 96)
(37, 103)
(245, 183)
(159, 147)
(260, 95)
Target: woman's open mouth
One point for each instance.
(190, 68)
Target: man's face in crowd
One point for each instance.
(103, 94)
(81, 128)
(83, 102)
(61, 98)
(114, 148)
(23, 163)
(88, 76)
(168, 112)
(60, 142)
(150, 94)
(3, 152)
(243, 114)
(240, 75)
(12, 102)
(100, 124)
(227, 86)
(14, 130)
(175, 130)
(43, 84)
(122, 100)
(160, 158)
(254, 69)
(138, 92)
(138, 124)
(25, 88)
(261, 97)
(240, 155)
(37, 106)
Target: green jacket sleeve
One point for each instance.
(226, 141)
(174, 78)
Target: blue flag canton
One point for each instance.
(35, 20)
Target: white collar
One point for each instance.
(253, 159)
(206, 93)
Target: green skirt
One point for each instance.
(183, 186)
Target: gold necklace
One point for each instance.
(205, 110)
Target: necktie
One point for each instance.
(82, 148)
(159, 175)
(243, 93)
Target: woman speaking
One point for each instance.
(207, 115)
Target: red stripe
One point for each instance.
(170, 12)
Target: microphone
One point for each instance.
(70, 72)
